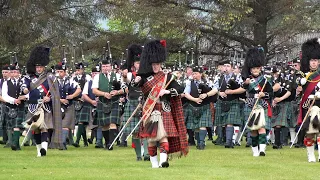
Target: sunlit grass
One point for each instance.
(215, 162)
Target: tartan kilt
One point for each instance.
(233, 116)
(293, 113)
(104, 119)
(281, 118)
(188, 118)
(47, 118)
(168, 123)
(69, 119)
(130, 106)
(247, 110)
(83, 116)
(205, 119)
(14, 122)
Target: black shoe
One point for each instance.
(237, 144)
(14, 147)
(298, 145)
(90, 141)
(210, 139)
(276, 147)
(2, 142)
(86, 145)
(26, 144)
(76, 145)
(262, 153)
(228, 145)
(139, 159)
(43, 152)
(248, 145)
(108, 147)
(165, 164)
(98, 146)
(201, 147)
(123, 144)
(147, 158)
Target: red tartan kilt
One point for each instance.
(212, 109)
(168, 124)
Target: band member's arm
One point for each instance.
(76, 86)
(285, 96)
(187, 95)
(5, 95)
(276, 87)
(96, 91)
(240, 90)
(85, 95)
(75, 94)
(1, 99)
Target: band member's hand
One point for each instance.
(203, 96)
(17, 101)
(277, 100)
(25, 90)
(114, 92)
(137, 79)
(247, 81)
(198, 101)
(182, 95)
(163, 92)
(64, 101)
(22, 98)
(69, 97)
(94, 103)
(299, 89)
(261, 94)
(122, 100)
(46, 99)
(222, 94)
(107, 95)
(228, 91)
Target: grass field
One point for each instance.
(215, 162)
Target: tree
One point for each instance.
(226, 24)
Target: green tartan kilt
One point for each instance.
(188, 116)
(130, 106)
(83, 116)
(205, 117)
(14, 122)
(233, 116)
(247, 111)
(293, 112)
(281, 118)
(104, 119)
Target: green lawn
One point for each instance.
(215, 162)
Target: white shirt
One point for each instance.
(86, 88)
(95, 83)
(5, 95)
